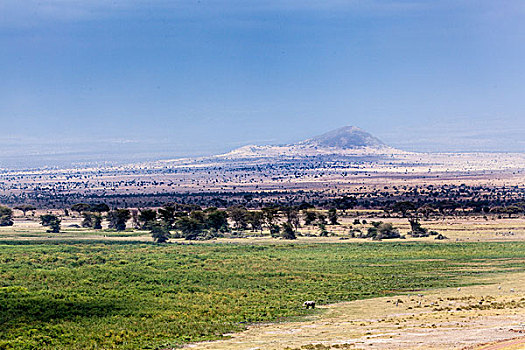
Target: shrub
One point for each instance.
(382, 230)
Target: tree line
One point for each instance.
(190, 221)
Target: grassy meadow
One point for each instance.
(133, 295)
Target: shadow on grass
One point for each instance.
(15, 309)
(51, 241)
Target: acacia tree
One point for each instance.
(382, 230)
(271, 216)
(118, 218)
(52, 221)
(332, 216)
(6, 216)
(426, 210)
(25, 208)
(513, 209)
(147, 218)
(217, 219)
(80, 207)
(288, 231)
(321, 219)
(404, 207)
(416, 230)
(189, 227)
(292, 217)
(160, 233)
(99, 207)
(239, 216)
(167, 215)
(92, 220)
(256, 219)
(309, 217)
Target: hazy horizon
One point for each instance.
(92, 81)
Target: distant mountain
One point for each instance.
(346, 141)
(347, 137)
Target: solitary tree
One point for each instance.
(52, 221)
(6, 216)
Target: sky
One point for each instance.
(94, 80)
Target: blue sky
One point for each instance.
(169, 78)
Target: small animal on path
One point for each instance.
(309, 304)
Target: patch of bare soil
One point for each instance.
(451, 318)
(512, 344)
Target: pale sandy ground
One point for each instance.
(476, 317)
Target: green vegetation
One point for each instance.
(6, 216)
(382, 230)
(117, 219)
(25, 208)
(133, 295)
(92, 220)
(51, 221)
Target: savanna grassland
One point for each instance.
(125, 295)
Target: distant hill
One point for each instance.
(347, 141)
(347, 137)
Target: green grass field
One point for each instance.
(118, 295)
